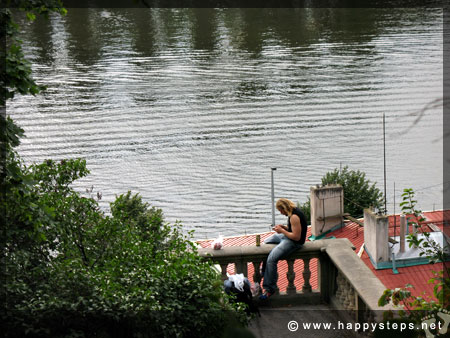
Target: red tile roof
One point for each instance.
(417, 275)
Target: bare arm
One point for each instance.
(295, 226)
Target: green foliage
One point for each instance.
(358, 192)
(416, 308)
(429, 248)
(306, 209)
(17, 77)
(10, 135)
(73, 271)
(130, 209)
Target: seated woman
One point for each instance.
(289, 238)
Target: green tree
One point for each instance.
(69, 269)
(359, 193)
(306, 209)
(17, 77)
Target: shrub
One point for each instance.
(73, 271)
(358, 192)
(70, 270)
(306, 209)
(418, 309)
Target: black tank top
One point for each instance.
(303, 224)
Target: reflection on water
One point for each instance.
(191, 107)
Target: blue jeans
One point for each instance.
(284, 248)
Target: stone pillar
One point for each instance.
(291, 290)
(327, 277)
(224, 267)
(327, 207)
(376, 236)
(241, 267)
(256, 272)
(306, 276)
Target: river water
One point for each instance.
(191, 108)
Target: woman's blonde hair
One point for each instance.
(287, 205)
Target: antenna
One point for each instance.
(384, 160)
(395, 218)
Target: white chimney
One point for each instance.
(327, 207)
(376, 236)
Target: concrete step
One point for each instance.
(293, 321)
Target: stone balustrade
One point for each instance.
(344, 280)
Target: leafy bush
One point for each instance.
(306, 209)
(16, 74)
(73, 271)
(358, 192)
(70, 270)
(130, 209)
